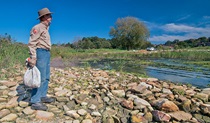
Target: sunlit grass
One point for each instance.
(12, 54)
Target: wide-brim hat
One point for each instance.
(43, 12)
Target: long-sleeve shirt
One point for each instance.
(39, 38)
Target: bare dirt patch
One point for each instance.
(60, 63)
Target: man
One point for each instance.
(39, 47)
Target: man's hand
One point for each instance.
(32, 62)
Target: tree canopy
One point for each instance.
(129, 33)
(91, 43)
(202, 41)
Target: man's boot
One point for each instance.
(39, 106)
(47, 99)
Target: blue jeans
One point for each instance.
(43, 64)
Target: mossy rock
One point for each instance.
(178, 91)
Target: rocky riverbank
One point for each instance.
(96, 96)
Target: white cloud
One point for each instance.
(183, 18)
(181, 32)
(166, 37)
(151, 25)
(184, 28)
(206, 17)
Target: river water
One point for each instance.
(179, 76)
(170, 71)
(197, 76)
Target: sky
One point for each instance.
(75, 19)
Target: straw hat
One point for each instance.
(43, 12)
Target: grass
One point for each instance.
(12, 54)
(192, 55)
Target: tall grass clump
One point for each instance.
(12, 53)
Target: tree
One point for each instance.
(87, 44)
(129, 33)
(168, 43)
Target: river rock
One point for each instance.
(82, 97)
(169, 106)
(97, 114)
(205, 109)
(148, 116)
(160, 116)
(72, 76)
(186, 105)
(62, 99)
(43, 115)
(28, 111)
(61, 93)
(73, 114)
(131, 85)
(146, 93)
(75, 121)
(202, 96)
(165, 105)
(12, 93)
(140, 101)
(4, 112)
(152, 79)
(148, 86)
(9, 84)
(109, 112)
(139, 89)
(114, 86)
(206, 91)
(23, 104)
(138, 119)
(87, 121)
(82, 112)
(9, 117)
(206, 119)
(127, 104)
(106, 99)
(118, 93)
(180, 115)
(158, 103)
(12, 103)
(3, 87)
(92, 106)
(2, 106)
(21, 120)
(108, 119)
(3, 99)
(190, 92)
(166, 91)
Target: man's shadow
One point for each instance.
(24, 93)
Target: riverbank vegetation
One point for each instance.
(189, 43)
(13, 53)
